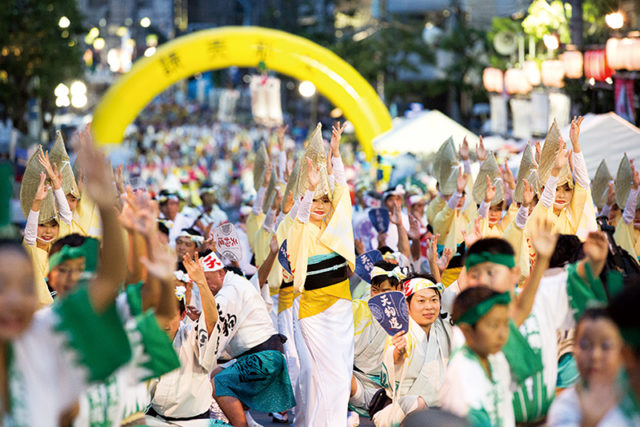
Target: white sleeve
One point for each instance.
(31, 229)
(521, 217)
(294, 210)
(467, 166)
(453, 201)
(565, 410)
(549, 192)
(338, 171)
(629, 212)
(580, 170)
(64, 212)
(257, 203)
(453, 395)
(228, 303)
(304, 209)
(483, 210)
(278, 220)
(605, 210)
(269, 220)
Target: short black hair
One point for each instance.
(567, 251)
(162, 227)
(192, 231)
(427, 276)
(593, 313)
(469, 298)
(492, 245)
(623, 308)
(73, 240)
(377, 281)
(385, 250)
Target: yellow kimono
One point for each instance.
(522, 247)
(309, 244)
(576, 219)
(254, 222)
(450, 224)
(40, 260)
(628, 238)
(498, 229)
(285, 293)
(261, 240)
(434, 207)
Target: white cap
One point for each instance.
(211, 263)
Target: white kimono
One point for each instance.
(565, 412)
(187, 392)
(427, 359)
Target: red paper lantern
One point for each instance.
(595, 65)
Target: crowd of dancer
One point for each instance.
(214, 274)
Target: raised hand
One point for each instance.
(359, 247)
(288, 205)
(443, 261)
(527, 193)
(277, 201)
(194, 269)
(98, 176)
(611, 195)
(52, 171)
(273, 245)
(461, 182)
(414, 228)
(636, 177)
(490, 192)
(336, 135)
(313, 174)
(562, 158)
(395, 216)
(41, 192)
(162, 265)
(399, 341)
(117, 174)
(508, 177)
(481, 152)
(543, 238)
(538, 148)
(282, 130)
(464, 149)
(329, 163)
(596, 246)
(473, 236)
(574, 133)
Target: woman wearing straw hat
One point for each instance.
(321, 250)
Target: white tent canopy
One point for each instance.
(606, 136)
(422, 134)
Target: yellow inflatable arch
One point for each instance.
(243, 47)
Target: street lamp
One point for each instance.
(64, 22)
(551, 42)
(614, 20)
(145, 22)
(307, 89)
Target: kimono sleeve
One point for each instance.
(229, 305)
(153, 352)
(453, 394)
(98, 341)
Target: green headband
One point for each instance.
(89, 250)
(476, 312)
(502, 259)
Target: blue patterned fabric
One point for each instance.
(259, 380)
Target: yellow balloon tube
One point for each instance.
(242, 47)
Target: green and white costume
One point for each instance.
(468, 391)
(67, 346)
(123, 396)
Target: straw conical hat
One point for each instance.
(624, 181)
(314, 149)
(441, 149)
(29, 187)
(489, 168)
(291, 184)
(600, 185)
(260, 166)
(59, 156)
(446, 167)
(527, 170)
(270, 194)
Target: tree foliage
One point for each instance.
(36, 54)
